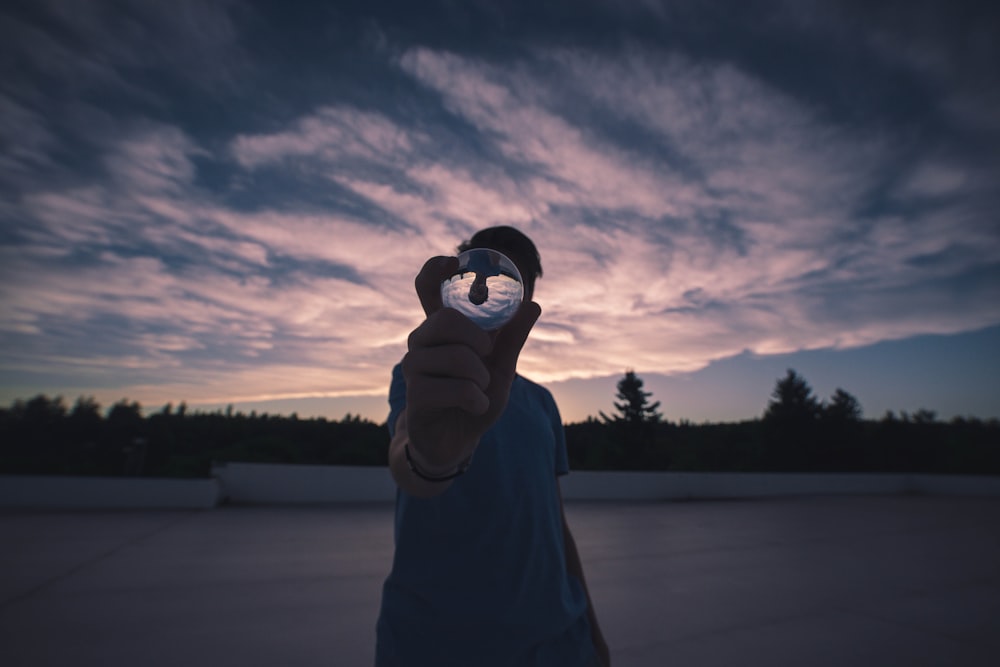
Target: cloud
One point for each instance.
(155, 160)
(196, 39)
(786, 181)
(26, 138)
(332, 134)
(687, 209)
(121, 283)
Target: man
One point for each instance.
(486, 571)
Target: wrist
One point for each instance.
(419, 466)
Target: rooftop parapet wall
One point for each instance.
(36, 492)
(271, 484)
(256, 483)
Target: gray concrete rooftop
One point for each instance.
(895, 580)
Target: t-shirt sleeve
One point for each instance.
(397, 398)
(562, 456)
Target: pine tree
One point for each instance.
(634, 407)
(843, 407)
(793, 401)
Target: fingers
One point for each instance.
(450, 327)
(447, 361)
(433, 394)
(454, 364)
(444, 367)
(428, 282)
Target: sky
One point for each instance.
(226, 202)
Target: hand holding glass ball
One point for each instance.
(487, 288)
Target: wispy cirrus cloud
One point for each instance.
(687, 207)
(751, 204)
(334, 135)
(151, 267)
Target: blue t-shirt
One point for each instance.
(479, 575)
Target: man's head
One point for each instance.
(515, 245)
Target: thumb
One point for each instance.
(512, 336)
(428, 282)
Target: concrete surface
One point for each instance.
(896, 580)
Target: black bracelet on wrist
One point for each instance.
(462, 467)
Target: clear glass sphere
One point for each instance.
(487, 288)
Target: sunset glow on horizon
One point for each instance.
(229, 203)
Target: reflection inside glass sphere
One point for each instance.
(486, 288)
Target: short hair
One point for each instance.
(512, 243)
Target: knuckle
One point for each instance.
(411, 340)
(407, 364)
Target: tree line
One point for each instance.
(43, 436)
(796, 432)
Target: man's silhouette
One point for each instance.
(485, 571)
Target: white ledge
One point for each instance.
(274, 484)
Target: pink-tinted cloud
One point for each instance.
(331, 134)
(788, 182)
(735, 227)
